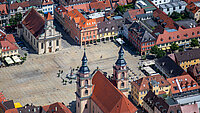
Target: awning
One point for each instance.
(149, 70)
(163, 48)
(168, 47)
(9, 60)
(16, 59)
(120, 41)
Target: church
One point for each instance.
(97, 94)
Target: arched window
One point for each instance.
(86, 82)
(122, 75)
(86, 92)
(122, 84)
(85, 106)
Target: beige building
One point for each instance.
(96, 94)
(7, 45)
(194, 11)
(40, 32)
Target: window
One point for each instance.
(86, 92)
(37, 44)
(41, 45)
(86, 82)
(143, 44)
(198, 32)
(93, 36)
(85, 106)
(49, 43)
(167, 9)
(57, 42)
(122, 84)
(175, 88)
(106, 29)
(178, 36)
(174, 8)
(161, 39)
(122, 75)
(83, 38)
(192, 33)
(179, 7)
(87, 37)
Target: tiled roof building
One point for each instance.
(95, 93)
(141, 38)
(56, 107)
(3, 14)
(194, 11)
(156, 104)
(183, 85)
(141, 87)
(166, 36)
(7, 45)
(168, 67)
(40, 32)
(194, 71)
(187, 58)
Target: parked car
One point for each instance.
(24, 48)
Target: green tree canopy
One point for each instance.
(174, 46)
(160, 54)
(194, 43)
(154, 49)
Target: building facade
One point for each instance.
(141, 38)
(42, 35)
(187, 58)
(171, 7)
(141, 87)
(194, 71)
(193, 10)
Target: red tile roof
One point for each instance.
(84, 7)
(100, 5)
(134, 12)
(47, 2)
(10, 38)
(2, 98)
(81, 20)
(108, 97)
(34, 22)
(48, 16)
(193, 108)
(60, 108)
(175, 35)
(143, 83)
(7, 46)
(3, 9)
(14, 110)
(163, 18)
(182, 81)
(21, 4)
(192, 7)
(7, 42)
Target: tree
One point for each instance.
(154, 49)
(174, 47)
(160, 54)
(194, 43)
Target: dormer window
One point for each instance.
(178, 36)
(106, 29)
(8, 47)
(161, 39)
(170, 38)
(99, 30)
(112, 28)
(192, 33)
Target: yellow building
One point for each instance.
(155, 83)
(187, 58)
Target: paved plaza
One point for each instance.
(36, 80)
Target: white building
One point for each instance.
(41, 35)
(169, 8)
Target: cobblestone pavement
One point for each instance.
(36, 80)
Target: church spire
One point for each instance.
(121, 61)
(84, 68)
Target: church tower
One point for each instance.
(84, 87)
(120, 75)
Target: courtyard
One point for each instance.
(36, 80)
